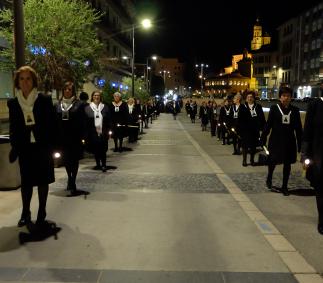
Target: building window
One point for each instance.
(313, 46)
(317, 64)
(304, 65)
(312, 63)
(306, 47)
(318, 43)
(306, 30)
(314, 26)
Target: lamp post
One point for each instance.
(164, 72)
(147, 77)
(201, 66)
(146, 24)
(19, 33)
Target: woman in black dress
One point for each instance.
(98, 125)
(252, 122)
(119, 120)
(134, 116)
(312, 149)
(70, 121)
(32, 119)
(284, 122)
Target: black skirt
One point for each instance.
(36, 166)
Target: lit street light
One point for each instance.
(202, 66)
(147, 71)
(146, 24)
(164, 72)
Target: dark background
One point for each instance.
(207, 31)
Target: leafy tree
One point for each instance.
(60, 40)
(107, 92)
(140, 89)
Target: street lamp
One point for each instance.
(202, 66)
(164, 72)
(147, 70)
(146, 24)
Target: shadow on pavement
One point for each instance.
(303, 192)
(39, 233)
(65, 193)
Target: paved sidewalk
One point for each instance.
(175, 209)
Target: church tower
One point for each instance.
(257, 40)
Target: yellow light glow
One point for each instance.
(146, 23)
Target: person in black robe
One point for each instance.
(32, 139)
(225, 120)
(285, 125)
(97, 128)
(312, 149)
(213, 117)
(193, 111)
(133, 123)
(252, 122)
(119, 120)
(236, 113)
(203, 116)
(70, 120)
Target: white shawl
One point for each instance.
(98, 118)
(27, 105)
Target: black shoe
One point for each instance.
(104, 169)
(284, 191)
(252, 163)
(320, 228)
(120, 149)
(244, 164)
(24, 221)
(97, 167)
(269, 184)
(235, 153)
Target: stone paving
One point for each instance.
(167, 218)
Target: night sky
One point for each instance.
(208, 31)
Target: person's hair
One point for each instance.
(95, 92)
(285, 89)
(26, 69)
(117, 94)
(251, 93)
(131, 100)
(84, 96)
(238, 95)
(67, 84)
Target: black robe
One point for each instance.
(282, 141)
(119, 120)
(312, 146)
(71, 132)
(251, 125)
(35, 159)
(92, 139)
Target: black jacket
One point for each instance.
(285, 139)
(312, 146)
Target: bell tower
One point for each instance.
(256, 42)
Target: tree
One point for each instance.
(140, 89)
(60, 40)
(107, 91)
